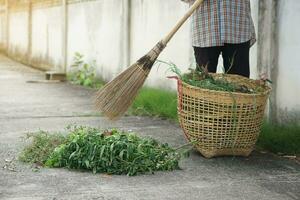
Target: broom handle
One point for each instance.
(181, 22)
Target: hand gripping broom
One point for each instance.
(114, 98)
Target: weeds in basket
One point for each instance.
(202, 79)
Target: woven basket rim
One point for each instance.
(266, 91)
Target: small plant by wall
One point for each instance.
(83, 73)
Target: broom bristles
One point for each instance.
(115, 97)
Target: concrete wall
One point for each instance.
(95, 30)
(2, 30)
(288, 81)
(253, 51)
(116, 33)
(150, 22)
(18, 35)
(46, 36)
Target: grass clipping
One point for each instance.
(111, 152)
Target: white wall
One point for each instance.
(94, 30)
(47, 35)
(151, 21)
(98, 29)
(18, 33)
(253, 49)
(2, 29)
(288, 85)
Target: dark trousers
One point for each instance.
(235, 58)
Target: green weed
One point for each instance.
(155, 102)
(112, 152)
(202, 79)
(41, 147)
(280, 138)
(83, 73)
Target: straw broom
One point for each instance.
(116, 96)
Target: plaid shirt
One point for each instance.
(222, 21)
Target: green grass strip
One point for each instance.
(155, 102)
(280, 138)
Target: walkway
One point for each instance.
(27, 106)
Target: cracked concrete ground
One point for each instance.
(26, 107)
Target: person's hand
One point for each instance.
(188, 1)
(263, 79)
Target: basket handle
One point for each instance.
(179, 89)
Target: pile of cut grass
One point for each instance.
(112, 152)
(41, 146)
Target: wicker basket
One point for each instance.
(221, 123)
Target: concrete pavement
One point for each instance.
(26, 107)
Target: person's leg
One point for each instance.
(207, 57)
(236, 58)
